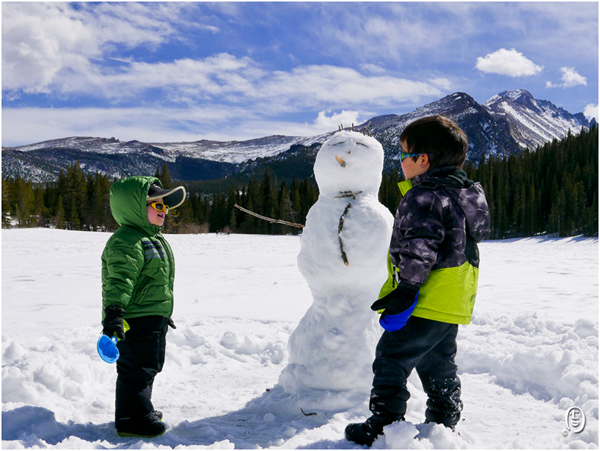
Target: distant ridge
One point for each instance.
(506, 124)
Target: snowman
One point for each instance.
(343, 256)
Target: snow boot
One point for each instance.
(148, 427)
(365, 433)
(448, 414)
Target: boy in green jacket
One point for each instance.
(138, 271)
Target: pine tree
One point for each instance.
(268, 201)
(58, 221)
(295, 200)
(6, 216)
(39, 209)
(95, 207)
(25, 202)
(165, 177)
(284, 210)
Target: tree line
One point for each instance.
(552, 190)
(79, 201)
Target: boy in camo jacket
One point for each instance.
(433, 269)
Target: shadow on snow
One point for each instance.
(266, 421)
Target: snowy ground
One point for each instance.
(530, 354)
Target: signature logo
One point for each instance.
(575, 420)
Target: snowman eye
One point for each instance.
(361, 144)
(349, 151)
(337, 144)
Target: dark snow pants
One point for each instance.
(429, 347)
(142, 358)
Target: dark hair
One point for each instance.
(440, 138)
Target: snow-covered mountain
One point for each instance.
(504, 125)
(486, 134)
(235, 152)
(199, 160)
(533, 122)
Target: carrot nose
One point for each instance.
(341, 161)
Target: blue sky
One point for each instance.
(164, 72)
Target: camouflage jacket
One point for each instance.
(439, 221)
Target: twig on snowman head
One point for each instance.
(271, 220)
(365, 131)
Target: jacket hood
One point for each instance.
(128, 202)
(468, 194)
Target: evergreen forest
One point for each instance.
(552, 190)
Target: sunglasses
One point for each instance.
(404, 155)
(159, 206)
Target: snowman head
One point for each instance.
(349, 161)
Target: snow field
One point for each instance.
(530, 353)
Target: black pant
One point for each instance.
(142, 358)
(430, 347)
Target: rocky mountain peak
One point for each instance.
(451, 103)
(533, 122)
(517, 95)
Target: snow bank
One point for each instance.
(551, 361)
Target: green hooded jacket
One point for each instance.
(138, 268)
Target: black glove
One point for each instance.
(113, 321)
(171, 323)
(397, 301)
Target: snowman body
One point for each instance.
(343, 258)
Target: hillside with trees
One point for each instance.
(552, 190)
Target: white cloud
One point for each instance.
(42, 42)
(591, 110)
(373, 68)
(216, 75)
(442, 83)
(507, 62)
(327, 123)
(226, 79)
(570, 78)
(211, 28)
(324, 85)
(143, 124)
(55, 48)
(34, 37)
(220, 97)
(390, 32)
(158, 125)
